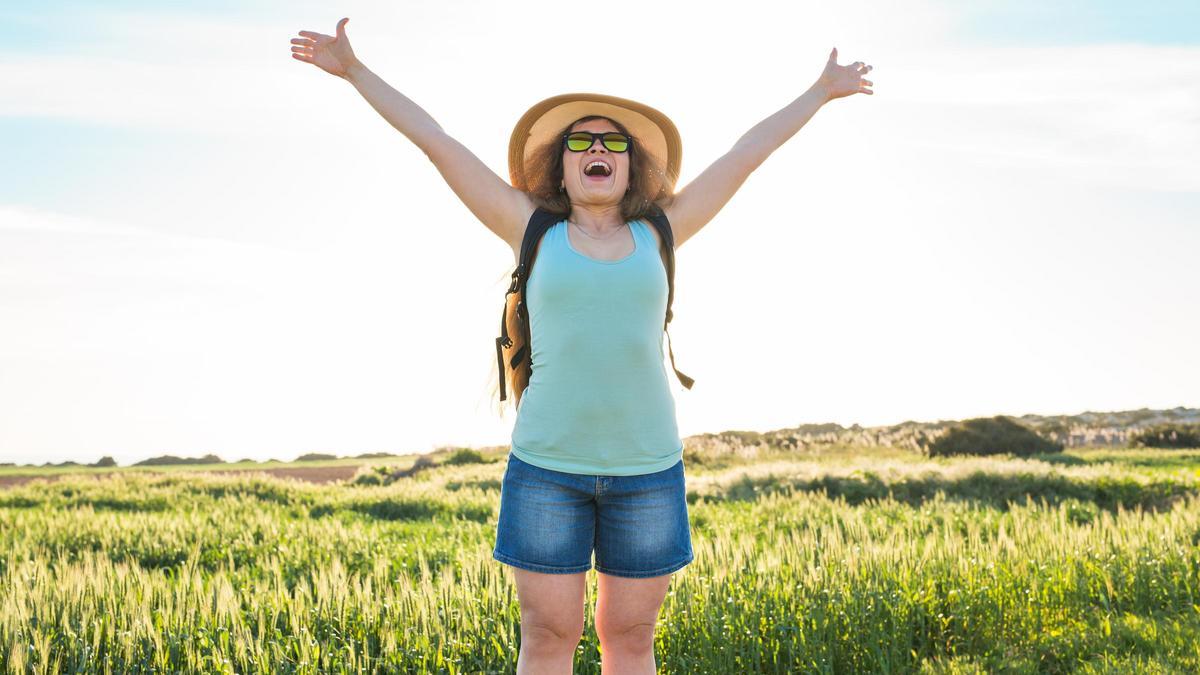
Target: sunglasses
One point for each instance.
(578, 141)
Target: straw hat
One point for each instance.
(652, 131)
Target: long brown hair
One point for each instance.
(649, 187)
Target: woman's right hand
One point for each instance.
(331, 54)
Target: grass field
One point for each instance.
(850, 560)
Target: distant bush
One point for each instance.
(733, 437)
(1167, 436)
(386, 475)
(423, 462)
(368, 478)
(105, 461)
(375, 455)
(465, 456)
(375, 475)
(66, 463)
(315, 457)
(991, 436)
(171, 459)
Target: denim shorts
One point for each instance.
(550, 521)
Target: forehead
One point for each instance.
(594, 125)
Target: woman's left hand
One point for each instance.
(839, 81)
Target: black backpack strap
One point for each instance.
(659, 218)
(540, 221)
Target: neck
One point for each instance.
(597, 219)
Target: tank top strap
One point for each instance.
(644, 240)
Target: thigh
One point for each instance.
(551, 602)
(642, 527)
(547, 520)
(627, 606)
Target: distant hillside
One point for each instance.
(1085, 429)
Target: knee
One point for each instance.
(551, 636)
(635, 638)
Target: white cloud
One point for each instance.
(1106, 114)
(1110, 115)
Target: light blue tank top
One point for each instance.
(598, 400)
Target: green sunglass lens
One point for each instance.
(616, 142)
(579, 142)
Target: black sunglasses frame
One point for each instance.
(598, 136)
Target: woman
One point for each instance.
(596, 459)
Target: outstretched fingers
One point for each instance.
(304, 48)
(859, 68)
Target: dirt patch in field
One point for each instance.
(13, 481)
(311, 474)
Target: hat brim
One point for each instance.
(653, 131)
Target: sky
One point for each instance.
(209, 246)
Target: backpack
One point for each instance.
(517, 312)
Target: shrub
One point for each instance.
(315, 457)
(171, 459)
(422, 462)
(105, 461)
(386, 475)
(991, 436)
(1169, 435)
(465, 456)
(367, 478)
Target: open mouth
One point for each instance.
(597, 169)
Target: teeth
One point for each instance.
(607, 169)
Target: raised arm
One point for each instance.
(502, 208)
(696, 204)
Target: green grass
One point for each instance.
(847, 561)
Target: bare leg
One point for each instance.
(551, 621)
(626, 613)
